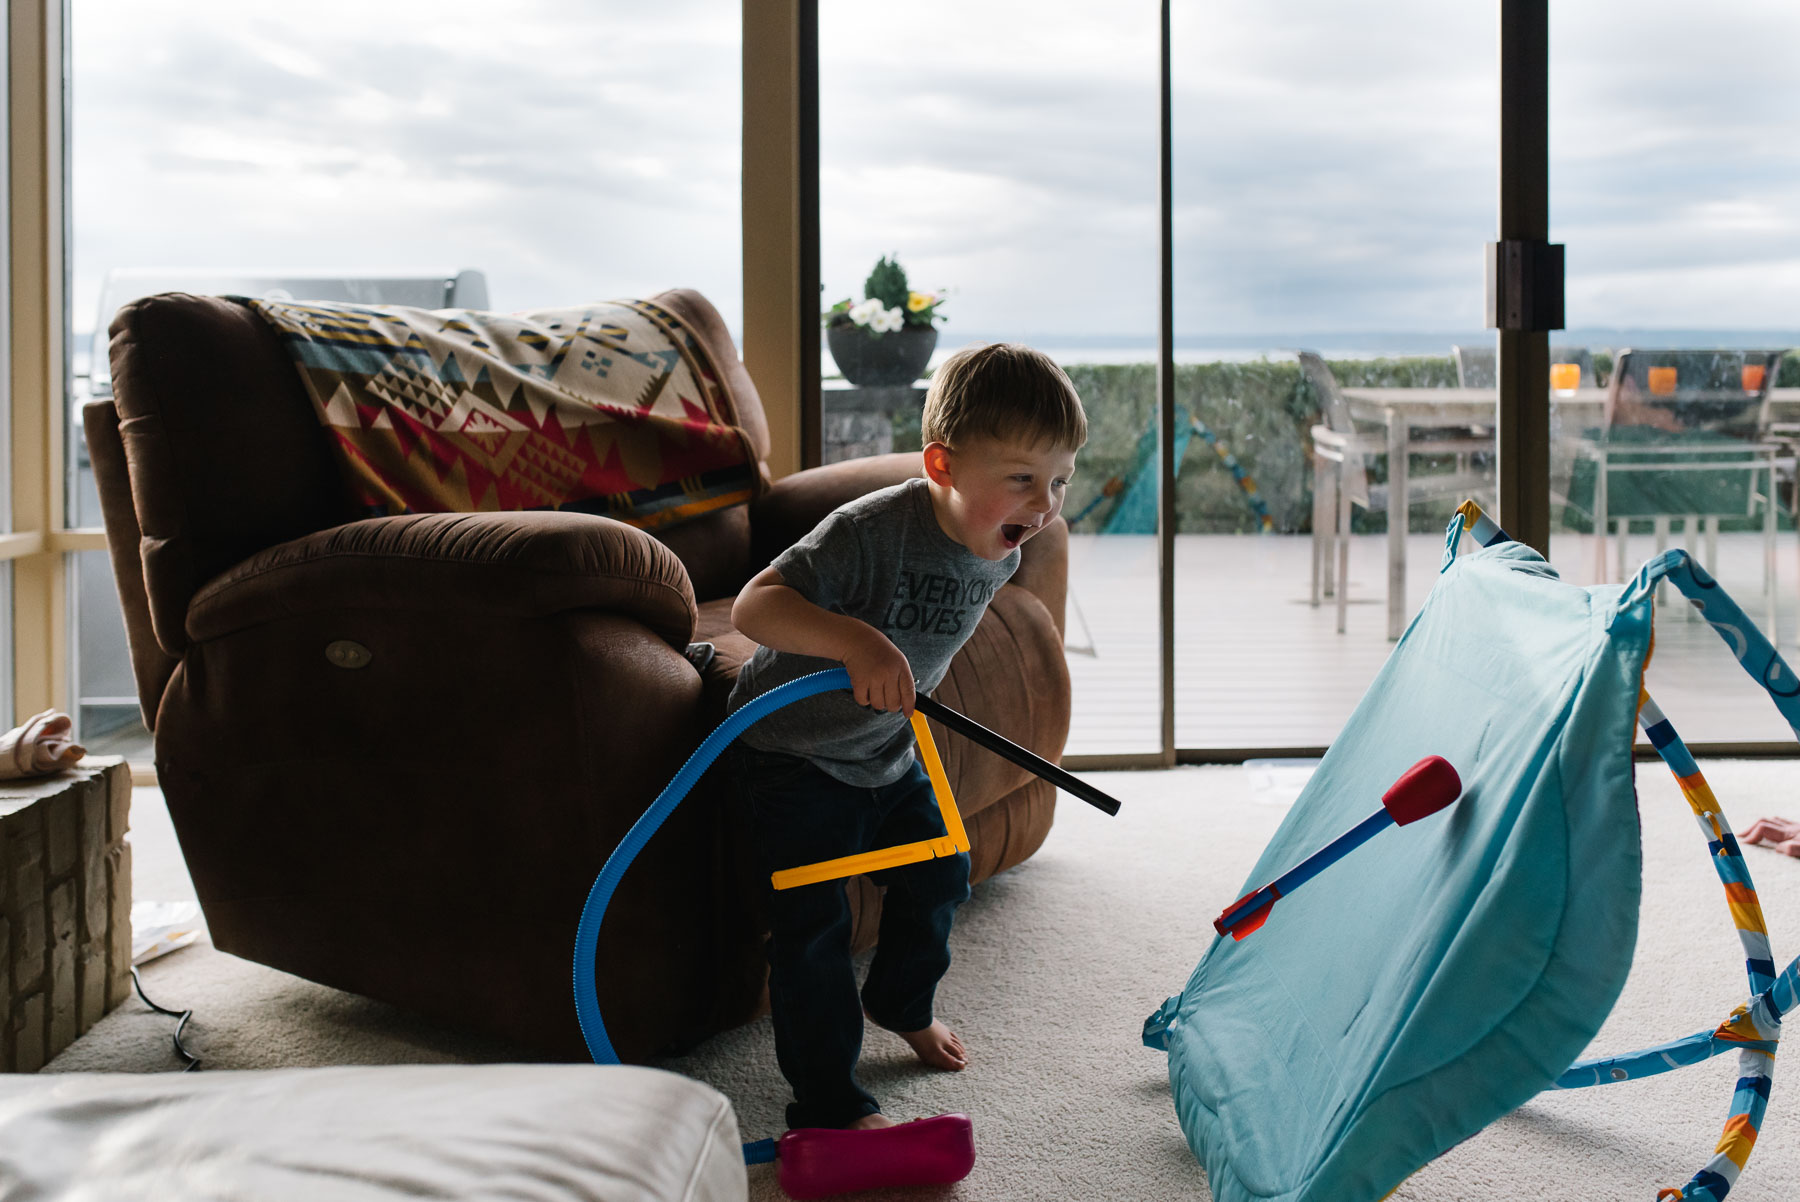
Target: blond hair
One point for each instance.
(1003, 390)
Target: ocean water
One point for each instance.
(1248, 348)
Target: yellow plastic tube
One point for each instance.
(906, 853)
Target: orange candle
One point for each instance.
(1662, 381)
(1753, 376)
(1565, 377)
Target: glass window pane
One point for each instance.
(566, 159)
(566, 155)
(7, 720)
(1321, 204)
(109, 721)
(1010, 167)
(6, 523)
(1675, 184)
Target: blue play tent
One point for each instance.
(1443, 975)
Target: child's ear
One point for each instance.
(937, 463)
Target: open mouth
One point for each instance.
(1014, 533)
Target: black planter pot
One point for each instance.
(876, 360)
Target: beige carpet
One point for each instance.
(1058, 962)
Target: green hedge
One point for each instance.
(1261, 411)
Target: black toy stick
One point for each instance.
(1006, 749)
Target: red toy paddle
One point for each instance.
(1422, 790)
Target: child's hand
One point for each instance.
(1780, 833)
(880, 677)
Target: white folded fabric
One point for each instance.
(547, 1133)
(45, 744)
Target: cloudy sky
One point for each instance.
(1335, 163)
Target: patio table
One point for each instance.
(1411, 415)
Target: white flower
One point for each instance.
(886, 319)
(865, 313)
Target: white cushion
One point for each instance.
(547, 1133)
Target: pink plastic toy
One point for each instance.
(814, 1162)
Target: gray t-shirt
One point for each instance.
(884, 560)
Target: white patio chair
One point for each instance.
(1341, 453)
(1475, 365)
(1685, 436)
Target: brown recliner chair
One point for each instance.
(397, 750)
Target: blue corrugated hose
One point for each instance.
(587, 934)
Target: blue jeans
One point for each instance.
(801, 815)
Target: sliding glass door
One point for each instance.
(1676, 188)
(1005, 162)
(1334, 390)
(1333, 185)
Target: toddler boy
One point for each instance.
(890, 585)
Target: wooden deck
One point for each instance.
(1256, 666)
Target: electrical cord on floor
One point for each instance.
(181, 1017)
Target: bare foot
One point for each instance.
(870, 1122)
(938, 1046)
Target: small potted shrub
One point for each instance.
(886, 338)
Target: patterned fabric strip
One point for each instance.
(1752, 649)
(613, 408)
(1727, 859)
(1753, 1030)
(1648, 1062)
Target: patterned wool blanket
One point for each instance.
(611, 408)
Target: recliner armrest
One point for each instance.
(523, 564)
(794, 504)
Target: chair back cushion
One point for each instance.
(1679, 435)
(1581, 357)
(1332, 406)
(225, 454)
(151, 666)
(1476, 365)
(610, 407)
(227, 457)
(1692, 392)
(1336, 412)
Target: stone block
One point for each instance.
(6, 994)
(118, 803)
(96, 901)
(62, 997)
(28, 1034)
(118, 956)
(62, 829)
(61, 1000)
(65, 908)
(90, 983)
(24, 898)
